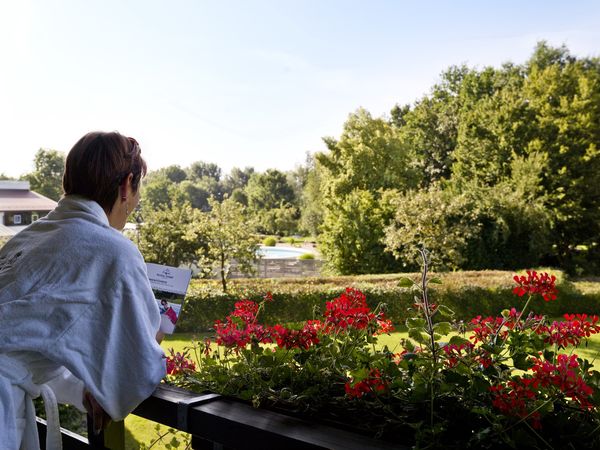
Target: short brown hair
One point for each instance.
(97, 165)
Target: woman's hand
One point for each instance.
(99, 417)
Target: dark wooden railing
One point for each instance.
(219, 423)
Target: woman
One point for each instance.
(78, 319)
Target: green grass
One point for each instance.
(143, 431)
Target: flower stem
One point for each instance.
(430, 331)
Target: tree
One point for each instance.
(271, 200)
(159, 193)
(201, 169)
(269, 190)
(196, 194)
(237, 179)
(282, 221)
(46, 178)
(368, 160)
(473, 226)
(170, 235)
(368, 156)
(228, 238)
(174, 173)
(496, 125)
(430, 128)
(564, 92)
(477, 128)
(352, 238)
(311, 202)
(398, 115)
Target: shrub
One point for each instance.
(269, 241)
(306, 256)
(298, 299)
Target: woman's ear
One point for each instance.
(125, 186)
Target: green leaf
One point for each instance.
(548, 355)
(480, 385)
(458, 340)
(443, 327)
(435, 280)
(444, 311)
(520, 361)
(415, 334)
(405, 282)
(359, 374)
(415, 322)
(453, 377)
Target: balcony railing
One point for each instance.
(219, 423)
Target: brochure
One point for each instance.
(169, 285)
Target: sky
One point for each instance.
(241, 82)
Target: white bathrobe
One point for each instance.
(74, 294)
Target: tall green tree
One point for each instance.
(311, 201)
(170, 235)
(46, 178)
(159, 192)
(272, 202)
(495, 125)
(173, 173)
(269, 190)
(369, 156)
(229, 239)
(430, 128)
(564, 92)
(353, 233)
(237, 179)
(367, 160)
(202, 169)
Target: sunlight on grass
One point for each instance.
(143, 431)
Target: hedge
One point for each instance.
(468, 293)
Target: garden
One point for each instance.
(517, 379)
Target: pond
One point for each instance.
(280, 252)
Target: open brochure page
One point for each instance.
(169, 285)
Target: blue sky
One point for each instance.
(245, 83)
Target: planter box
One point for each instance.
(218, 422)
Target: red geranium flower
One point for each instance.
(178, 363)
(534, 283)
(373, 384)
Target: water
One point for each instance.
(280, 252)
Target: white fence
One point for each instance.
(283, 268)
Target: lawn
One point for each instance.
(142, 431)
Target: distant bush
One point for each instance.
(306, 256)
(269, 241)
(298, 299)
(289, 240)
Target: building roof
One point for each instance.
(14, 184)
(11, 231)
(16, 196)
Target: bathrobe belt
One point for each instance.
(14, 375)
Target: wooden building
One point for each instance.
(20, 206)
